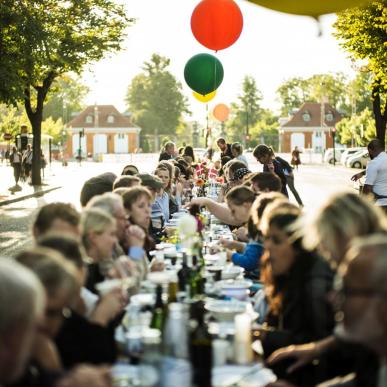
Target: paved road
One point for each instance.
(314, 182)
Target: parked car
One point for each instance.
(349, 152)
(358, 160)
(328, 155)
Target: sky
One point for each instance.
(272, 47)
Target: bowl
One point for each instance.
(231, 272)
(234, 288)
(225, 310)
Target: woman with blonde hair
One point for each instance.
(343, 217)
(99, 236)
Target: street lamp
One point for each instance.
(333, 137)
(81, 134)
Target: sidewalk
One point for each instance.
(50, 182)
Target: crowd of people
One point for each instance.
(323, 303)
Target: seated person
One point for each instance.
(57, 217)
(87, 334)
(297, 283)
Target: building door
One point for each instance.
(121, 143)
(76, 145)
(297, 139)
(318, 141)
(100, 144)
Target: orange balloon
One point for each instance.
(217, 24)
(221, 112)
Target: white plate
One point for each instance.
(234, 284)
(256, 376)
(143, 299)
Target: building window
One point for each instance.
(329, 116)
(110, 118)
(89, 119)
(306, 116)
(121, 136)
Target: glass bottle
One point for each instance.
(200, 348)
(159, 311)
(184, 274)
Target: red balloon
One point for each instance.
(217, 24)
(221, 112)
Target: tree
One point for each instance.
(12, 118)
(357, 130)
(265, 130)
(155, 98)
(42, 39)
(65, 98)
(363, 33)
(296, 91)
(245, 112)
(292, 94)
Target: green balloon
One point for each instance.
(203, 73)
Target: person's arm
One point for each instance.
(358, 176)
(302, 354)
(219, 210)
(249, 260)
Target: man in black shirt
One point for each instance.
(225, 148)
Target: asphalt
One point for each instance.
(7, 196)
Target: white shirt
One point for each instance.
(376, 175)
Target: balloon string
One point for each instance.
(319, 26)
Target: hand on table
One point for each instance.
(85, 375)
(228, 244)
(302, 354)
(156, 265)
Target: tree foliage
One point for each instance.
(155, 98)
(296, 91)
(245, 112)
(65, 98)
(42, 39)
(363, 33)
(357, 130)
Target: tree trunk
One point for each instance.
(380, 118)
(36, 117)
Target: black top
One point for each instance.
(279, 166)
(306, 314)
(165, 156)
(227, 152)
(94, 276)
(81, 341)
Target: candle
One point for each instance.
(242, 343)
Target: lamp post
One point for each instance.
(81, 134)
(334, 140)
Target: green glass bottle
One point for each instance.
(159, 311)
(200, 348)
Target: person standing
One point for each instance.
(27, 161)
(237, 152)
(168, 152)
(375, 174)
(265, 155)
(225, 148)
(15, 160)
(296, 160)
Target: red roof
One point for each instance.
(313, 111)
(108, 117)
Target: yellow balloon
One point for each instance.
(313, 8)
(204, 98)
